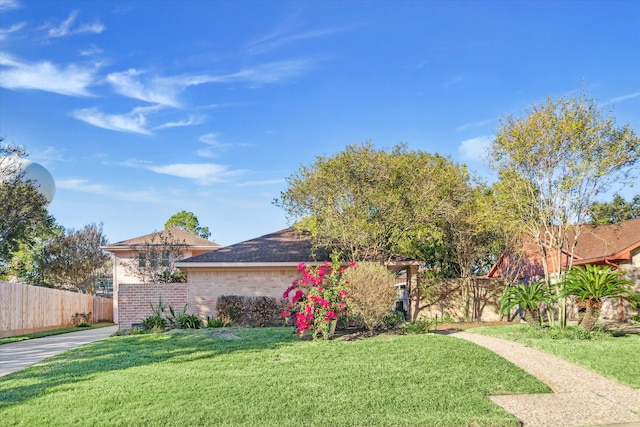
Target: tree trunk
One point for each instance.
(531, 317)
(591, 314)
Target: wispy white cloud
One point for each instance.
(454, 80)
(272, 72)
(48, 155)
(474, 149)
(66, 27)
(6, 5)
(139, 120)
(201, 173)
(620, 99)
(278, 39)
(134, 121)
(191, 121)
(138, 84)
(473, 125)
(214, 146)
(108, 191)
(92, 50)
(71, 80)
(4, 33)
(132, 84)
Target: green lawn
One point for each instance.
(614, 357)
(50, 332)
(265, 376)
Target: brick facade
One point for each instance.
(202, 291)
(135, 300)
(206, 285)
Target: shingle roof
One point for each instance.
(605, 241)
(596, 245)
(288, 245)
(159, 237)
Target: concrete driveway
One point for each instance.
(18, 355)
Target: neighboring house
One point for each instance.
(134, 251)
(264, 266)
(616, 245)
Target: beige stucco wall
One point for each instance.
(207, 284)
(445, 297)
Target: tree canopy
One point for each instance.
(74, 260)
(366, 202)
(187, 221)
(616, 211)
(23, 210)
(552, 164)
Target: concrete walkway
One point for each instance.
(580, 397)
(21, 354)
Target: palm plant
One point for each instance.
(527, 297)
(590, 285)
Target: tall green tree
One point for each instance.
(27, 263)
(187, 221)
(476, 237)
(552, 164)
(75, 261)
(23, 210)
(616, 211)
(366, 202)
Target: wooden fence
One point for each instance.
(25, 309)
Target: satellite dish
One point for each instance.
(39, 177)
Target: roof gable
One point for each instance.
(159, 237)
(288, 245)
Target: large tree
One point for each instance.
(187, 221)
(552, 164)
(616, 211)
(27, 263)
(366, 202)
(74, 260)
(23, 210)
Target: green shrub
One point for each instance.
(82, 319)
(218, 322)
(370, 292)
(135, 331)
(417, 327)
(230, 306)
(157, 319)
(155, 322)
(183, 320)
(247, 311)
(393, 320)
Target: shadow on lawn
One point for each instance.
(119, 353)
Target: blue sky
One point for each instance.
(141, 109)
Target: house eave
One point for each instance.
(109, 248)
(187, 265)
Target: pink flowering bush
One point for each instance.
(318, 299)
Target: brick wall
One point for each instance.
(135, 300)
(206, 285)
